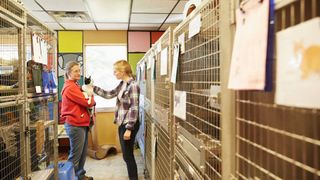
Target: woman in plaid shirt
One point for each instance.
(127, 112)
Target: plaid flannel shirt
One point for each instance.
(127, 107)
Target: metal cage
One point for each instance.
(33, 114)
(149, 84)
(149, 147)
(12, 148)
(163, 107)
(11, 51)
(42, 102)
(274, 141)
(41, 123)
(163, 157)
(163, 87)
(199, 136)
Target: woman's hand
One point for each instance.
(127, 134)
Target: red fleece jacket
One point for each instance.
(74, 105)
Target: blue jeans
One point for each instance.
(78, 137)
(127, 150)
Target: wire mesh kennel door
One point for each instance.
(199, 134)
(275, 141)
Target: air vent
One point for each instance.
(69, 16)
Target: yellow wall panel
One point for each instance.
(70, 41)
(105, 37)
(104, 131)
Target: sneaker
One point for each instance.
(88, 178)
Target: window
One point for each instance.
(99, 65)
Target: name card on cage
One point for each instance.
(39, 49)
(38, 89)
(248, 63)
(175, 63)
(298, 65)
(150, 58)
(164, 62)
(181, 42)
(194, 26)
(180, 104)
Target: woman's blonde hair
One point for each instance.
(68, 68)
(123, 66)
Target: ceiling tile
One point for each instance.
(175, 18)
(112, 26)
(148, 18)
(78, 26)
(31, 5)
(109, 10)
(62, 5)
(54, 26)
(180, 7)
(151, 27)
(42, 16)
(153, 6)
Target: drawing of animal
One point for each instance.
(310, 59)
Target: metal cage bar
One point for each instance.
(13, 9)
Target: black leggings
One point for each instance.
(127, 147)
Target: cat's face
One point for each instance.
(87, 80)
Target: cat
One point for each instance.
(310, 59)
(87, 88)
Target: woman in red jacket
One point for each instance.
(74, 111)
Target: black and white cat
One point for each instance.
(87, 88)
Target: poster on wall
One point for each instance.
(298, 65)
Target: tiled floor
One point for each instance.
(112, 168)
